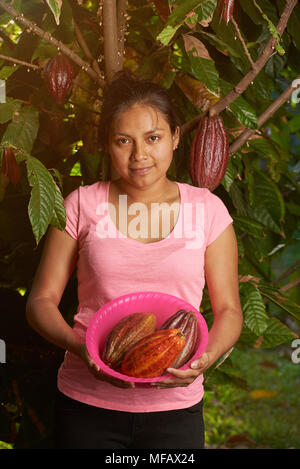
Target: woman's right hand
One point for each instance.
(98, 373)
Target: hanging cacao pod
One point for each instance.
(10, 167)
(187, 323)
(209, 153)
(153, 354)
(226, 10)
(58, 77)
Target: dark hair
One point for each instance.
(125, 90)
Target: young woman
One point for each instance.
(121, 243)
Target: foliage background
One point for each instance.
(185, 48)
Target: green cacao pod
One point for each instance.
(209, 153)
(58, 74)
(187, 323)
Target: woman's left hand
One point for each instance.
(186, 377)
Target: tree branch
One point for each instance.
(121, 18)
(290, 285)
(242, 42)
(21, 62)
(250, 76)
(287, 272)
(110, 33)
(32, 27)
(246, 134)
(85, 48)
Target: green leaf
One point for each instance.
(293, 208)
(43, 197)
(6, 17)
(276, 333)
(177, 17)
(293, 26)
(205, 71)
(167, 33)
(272, 29)
(242, 110)
(268, 204)
(22, 130)
(219, 43)
(7, 71)
(256, 318)
(7, 110)
(252, 12)
(206, 10)
(283, 302)
(231, 172)
(55, 7)
(59, 212)
(267, 151)
(294, 123)
(250, 226)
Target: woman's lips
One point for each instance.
(141, 170)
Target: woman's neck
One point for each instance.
(157, 192)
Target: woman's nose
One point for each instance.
(139, 151)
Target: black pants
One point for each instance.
(80, 426)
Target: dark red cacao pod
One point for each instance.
(187, 323)
(153, 354)
(226, 10)
(209, 153)
(10, 167)
(58, 77)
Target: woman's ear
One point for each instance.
(176, 137)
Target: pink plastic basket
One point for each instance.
(161, 304)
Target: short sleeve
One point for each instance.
(218, 217)
(71, 203)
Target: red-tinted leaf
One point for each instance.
(10, 167)
(221, 8)
(162, 8)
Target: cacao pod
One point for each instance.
(125, 333)
(153, 354)
(58, 77)
(226, 10)
(209, 153)
(187, 323)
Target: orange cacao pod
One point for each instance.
(124, 334)
(153, 354)
(187, 323)
(58, 77)
(209, 153)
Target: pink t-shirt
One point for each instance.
(110, 265)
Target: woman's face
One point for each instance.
(141, 145)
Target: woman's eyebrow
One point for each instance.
(146, 133)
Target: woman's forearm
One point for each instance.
(45, 318)
(225, 332)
